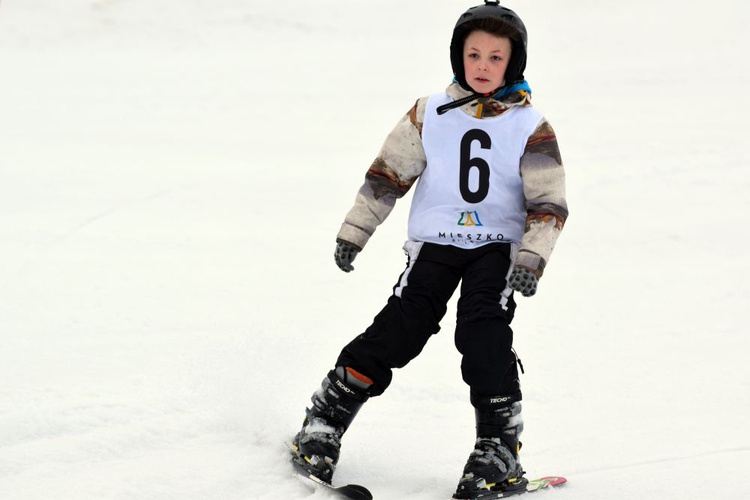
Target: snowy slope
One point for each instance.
(172, 177)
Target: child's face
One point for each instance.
(485, 58)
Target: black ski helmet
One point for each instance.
(490, 10)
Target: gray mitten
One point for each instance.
(345, 254)
(523, 280)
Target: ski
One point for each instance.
(532, 486)
(349, 491)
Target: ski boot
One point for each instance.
(493, 466)
(316, 447)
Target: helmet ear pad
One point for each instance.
(457, 56)
(516, 65)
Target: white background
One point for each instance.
(172, 177)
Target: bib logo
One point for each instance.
(469, 219)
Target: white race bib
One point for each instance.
(471, 192)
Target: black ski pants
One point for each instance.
(484, 312)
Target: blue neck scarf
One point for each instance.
(512, 89)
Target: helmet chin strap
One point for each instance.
(465, 100)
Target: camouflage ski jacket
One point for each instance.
(402, 159)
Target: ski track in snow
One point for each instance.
(106, 213)
(656, 461)
(68, 234)
(171, 182)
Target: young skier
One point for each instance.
(487, 211)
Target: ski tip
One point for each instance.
(554, 480)
(356, 491)
(545, 482)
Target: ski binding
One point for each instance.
(531, 486)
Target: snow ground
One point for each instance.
(172, 176)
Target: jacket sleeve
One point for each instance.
(396, 168)
(544, 189)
